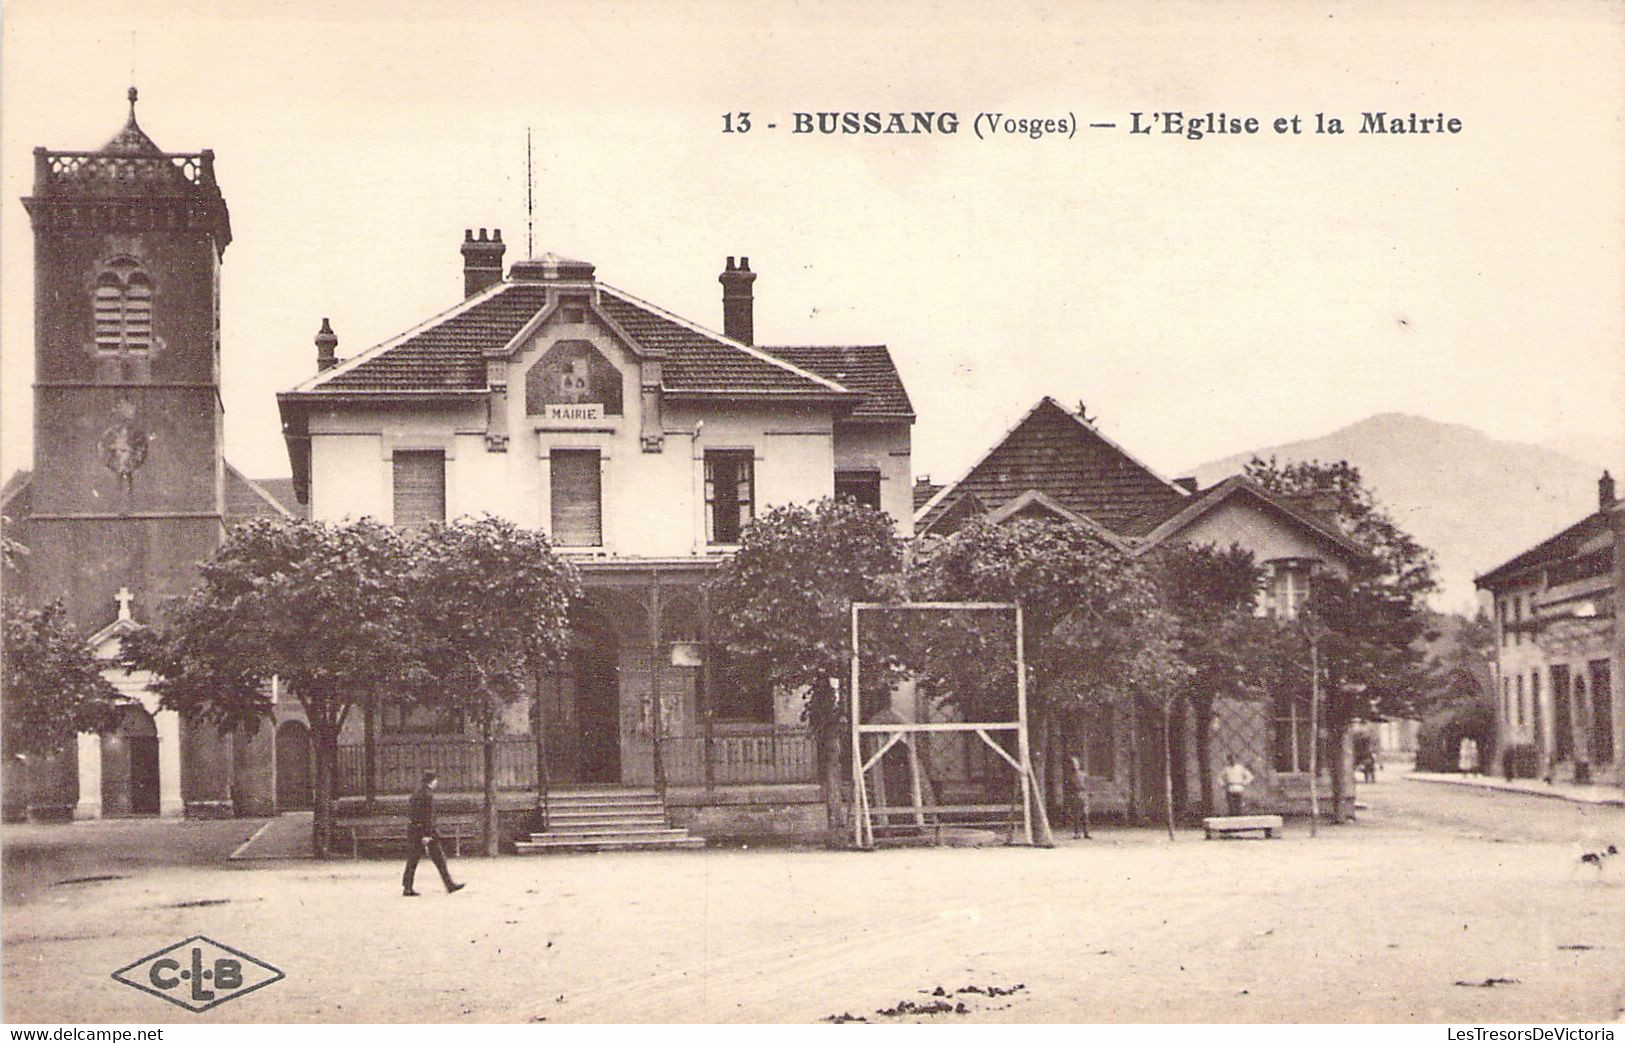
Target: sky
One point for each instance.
(1201, 297)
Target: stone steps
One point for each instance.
(602, 818)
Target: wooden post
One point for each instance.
(1021, 733)
(859, 812)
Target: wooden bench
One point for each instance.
(392, 830)
(1224, 825)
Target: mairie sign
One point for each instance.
(568, 414)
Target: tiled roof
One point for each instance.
(1183, 513)
(246, 498)
(923, 491)
(446, 355)
(15, 485)
(1552, 549)
(865, 368)
(1053, 452)
(699, 361)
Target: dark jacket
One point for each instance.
(420, 813)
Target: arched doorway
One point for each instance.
(293, 789)
(130, 765)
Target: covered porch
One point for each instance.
(641, 700)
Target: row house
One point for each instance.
(1560, 709)
(642, 444)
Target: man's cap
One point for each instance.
(429, 776)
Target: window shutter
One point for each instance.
(577, 492)
(420, 487)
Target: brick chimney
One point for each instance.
(1605, 491)
(738, 302)
(482, 260)
(327, 346)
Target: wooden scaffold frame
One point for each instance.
(862, 815)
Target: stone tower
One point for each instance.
(128, 474)
(127, 490)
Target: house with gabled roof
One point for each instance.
(1560, 651)
(642, 443)
(1057, 464)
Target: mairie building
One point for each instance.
(642, 443)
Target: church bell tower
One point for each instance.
(127, 488)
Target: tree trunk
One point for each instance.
(829, 757)
(490, 781)
(1204, 750)
(1133, 808)
(1168, 768)
(325, 735)
(1083, 794)
(1337, 723)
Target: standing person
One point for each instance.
(421, 836)
(1467, 756)
(1080, 799)
(1236, 778)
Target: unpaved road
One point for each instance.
(1375, 921)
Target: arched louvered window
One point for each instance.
(123, 307)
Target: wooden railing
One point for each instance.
(779, 755)
(459, 763)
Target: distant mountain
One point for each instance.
(1475, 500)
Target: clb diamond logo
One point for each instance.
(198, 974)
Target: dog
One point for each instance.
(1598, 860)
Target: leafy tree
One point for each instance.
(490, 604)
(782, 608)
(321, 606)
(53, 687)
(1093, 634)
(1367, 626)
(1211, 593)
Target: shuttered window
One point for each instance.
(420, 487)
(577, 493)
(730, 493)
(123, 308)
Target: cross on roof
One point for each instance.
(124, 597)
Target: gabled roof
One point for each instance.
(1033, 502)
(1053, 451)
(1168, 520)
(447, 355)
(15, 486)
(246, 498)
(698, 361)
(1565, 544)
(865, 368)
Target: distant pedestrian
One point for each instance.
(1467, 756)
(1368, 766)
(420, 835)
(1236, 778)
(1080, 799)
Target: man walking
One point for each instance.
(421, 836)
(1236, 778)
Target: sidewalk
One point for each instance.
(1605, 793)
(286, 836)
